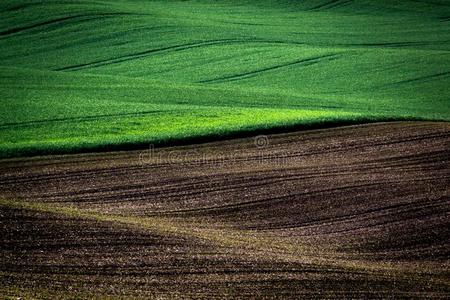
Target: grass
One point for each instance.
(83, 76)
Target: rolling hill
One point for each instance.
(93, 75)
(350, 212)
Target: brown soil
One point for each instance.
(358, 211)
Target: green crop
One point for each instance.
(115, 74)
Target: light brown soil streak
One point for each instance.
(351, 211)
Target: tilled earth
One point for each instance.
(358, 211)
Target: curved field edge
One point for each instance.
(226, 130)
(45, 112)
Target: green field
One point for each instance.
(113, 74)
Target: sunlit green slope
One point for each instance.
(88, 75)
